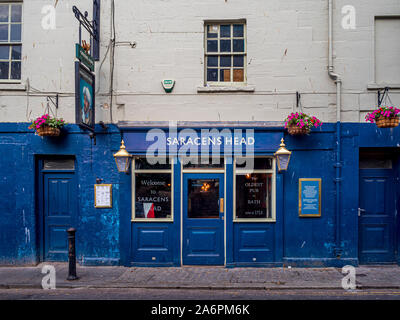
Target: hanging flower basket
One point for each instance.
(297, 131)
(48, 131)
(384, 117)
(301, 123)
(47, 126)
(387, 122)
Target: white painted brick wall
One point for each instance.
(287, 51)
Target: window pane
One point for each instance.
(238, 30)
(59, 164)
(3, 32)
(5, 52)
(16, 53)
(225, 61)
(225, 45)
(225, 31)
(238, 61)
(238, 75)
(238, 45)
(203, 198)
(212, 61)
(152, 195)
(4, 13)
(203, 163)
(4, 68)
(225, 75)
(212, 45)
(212, 31)
(16, 13)
(16, 70)
(256, 163)
(15, 32)
(253, 195)
(150, 164)
(212, 74)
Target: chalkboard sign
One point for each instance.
(309, 197)
(153, 195)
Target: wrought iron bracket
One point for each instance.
(54, 102)
(298, 97)
(93, 27)
(381, 95)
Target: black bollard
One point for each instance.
(71, 255)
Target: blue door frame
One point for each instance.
(203, 236)
(57, 211)
(377, 217)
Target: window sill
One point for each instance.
(218, 89)
(152, 220)
(9, 86)
(255, 220)
(379, 86)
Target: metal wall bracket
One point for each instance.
(54, 102)
(92, 135)
(93, 27)
(298, 97)
(337, 165)
(338, 252)
(381, 95)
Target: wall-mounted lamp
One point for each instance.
(282, 157)
(123, 158)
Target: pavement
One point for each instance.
(367, 277)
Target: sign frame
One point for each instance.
(89, 83)
(95, 195)
(310, 215)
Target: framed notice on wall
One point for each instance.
(103, 195)
(309, 197)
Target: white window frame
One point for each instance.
(231, 53)
(10, 44)
(273, 190)
(133, 172)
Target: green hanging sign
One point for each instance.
(84, 57)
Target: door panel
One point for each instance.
(59, 198)
(376, 218)
(203, 214)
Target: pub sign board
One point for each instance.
(309, 197)
(84, 97)
(84, 57)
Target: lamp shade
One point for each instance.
(282, 157)
(123, 158)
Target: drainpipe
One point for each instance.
(338, 81)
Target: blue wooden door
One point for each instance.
(376, 216)
(203, 219)
(59, 210)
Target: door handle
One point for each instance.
(221, 205)
(360, 210)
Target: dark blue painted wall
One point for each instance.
(107, 236)
(97, 229)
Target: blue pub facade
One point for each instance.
(179, 213)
